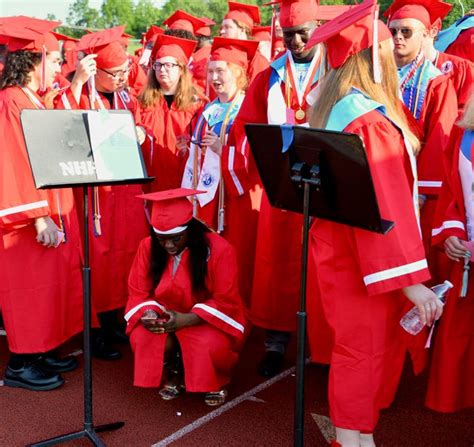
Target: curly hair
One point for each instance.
(18, 67)
(181, 33)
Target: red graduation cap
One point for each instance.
(205, 31)
(28, 33)
(297, 12)
(249, 15)
(180, 49)
(235, 51)
(171, 209)
(262, 33)
(350, 33)
(427, 12)
(185, 21)
(330, 12)
(106, 44)
(152, 33)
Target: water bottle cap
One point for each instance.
(449, 284)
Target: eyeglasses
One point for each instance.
(167, 65)
(405, 32)
(118, 74)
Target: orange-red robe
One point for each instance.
(463, 46)
(210, 349)
(461, 73)
(123, 222)
(451, 384)
(165, 124)
(360, 275)
(40, 288)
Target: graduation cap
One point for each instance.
(180, 49)
(106, 44)
(152, 33)
(30, 34)
(262, 33)
(185, 21)
(205, 31)
(235, 51)
(427, 12)
(171, 210)
(296, 12)
(330, 12)
(351, 32)
(249, 15)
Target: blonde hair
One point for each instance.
(467, 120)
(240, 75)
(186, 94)
(357, 72)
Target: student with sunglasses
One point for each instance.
(431, 100)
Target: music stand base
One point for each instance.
(89, 433)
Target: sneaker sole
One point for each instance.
(16, 384)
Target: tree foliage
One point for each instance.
(138, 15)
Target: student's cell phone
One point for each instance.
(59, 239)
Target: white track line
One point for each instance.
(221, 410)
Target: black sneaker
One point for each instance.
(271, 364)
(31, 377)
(50, 363)
(104, 351)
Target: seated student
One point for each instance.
(184, 315)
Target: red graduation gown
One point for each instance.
(123, 225)
(40, 288)
(210, 349)
(463, 46)
(461, 73)
(199, 66)
(451, 385)
(166, 124)
(437, 118)
(276, 283)
(360, 276)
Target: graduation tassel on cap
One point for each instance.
(43, 69)
(465, 276)
(375, 48)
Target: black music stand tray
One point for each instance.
(323, 174)
(59, 148)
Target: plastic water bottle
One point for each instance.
(411, 321)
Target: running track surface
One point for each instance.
(262, 418)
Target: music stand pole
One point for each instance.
(302, 180)
(89, 431)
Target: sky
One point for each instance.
(40, 8)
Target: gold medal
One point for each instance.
(300, 115)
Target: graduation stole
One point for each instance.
(219, 118)
(279, 110)
(448, 36)
(414, 79)
(355, 105)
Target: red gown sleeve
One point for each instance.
(397, 259)
(141, 290)
(20, 201)
(450, 213)
(223, 309)
(437, 120)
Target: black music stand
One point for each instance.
(316, 173)
(64, 152)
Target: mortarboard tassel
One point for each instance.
(465, 276)
(375, 48)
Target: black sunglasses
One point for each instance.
(405, 32)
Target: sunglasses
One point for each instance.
(405, 32)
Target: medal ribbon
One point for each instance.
(290, 83)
